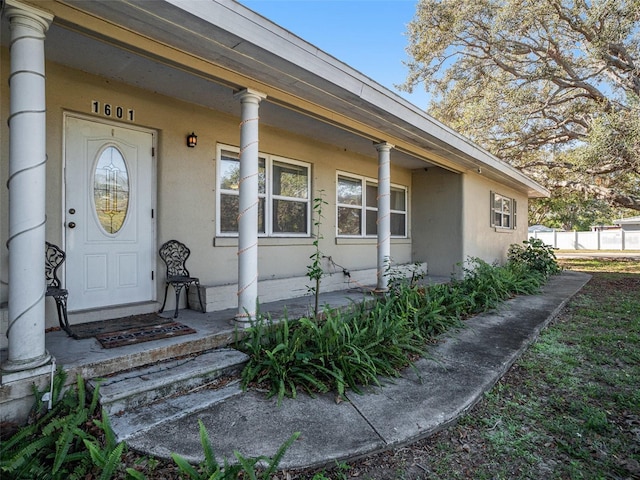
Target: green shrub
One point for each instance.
(536, 256)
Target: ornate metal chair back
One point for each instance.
(54, 257)
(175, 255)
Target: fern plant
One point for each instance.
(58, 444)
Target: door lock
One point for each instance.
(72, 224)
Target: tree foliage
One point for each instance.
(551, 86)
(572, 212)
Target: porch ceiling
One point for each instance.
(75, 50)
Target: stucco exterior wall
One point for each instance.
(437, 219)
(480, 239)
(453, 221)
(186, 180)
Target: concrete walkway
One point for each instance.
(461, 369)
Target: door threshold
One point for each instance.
(113, 311)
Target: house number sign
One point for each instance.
(112, 111)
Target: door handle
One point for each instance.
(72, 224)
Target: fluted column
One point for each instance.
(27, 189)
(384, 214)
(248, 210)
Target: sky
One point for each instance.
(368, 35)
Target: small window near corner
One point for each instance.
(503, 211)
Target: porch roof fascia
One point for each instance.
(224, 31)
(283, 43)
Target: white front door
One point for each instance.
(109, 224)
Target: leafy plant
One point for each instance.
(58, 444)
(398, 277)
(353, 347)
(344, 349)
(339, 472)
(251, 468)
(314, 270)
(535, 255)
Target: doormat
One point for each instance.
(91, 329)
(132, 336)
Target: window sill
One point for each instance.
(503, 230)
(369, 241)
(265, 242)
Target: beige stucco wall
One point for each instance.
(437, 219)
(453, 224)
(480, 239)
(186, 179)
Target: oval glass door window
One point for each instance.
(111, 190)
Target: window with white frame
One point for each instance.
(503, 211)
(357, 207)
(283, 195)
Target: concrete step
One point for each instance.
(142, 386)
(147, 417)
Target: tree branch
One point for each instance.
(604, 193)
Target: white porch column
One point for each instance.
(27, 175)
(248, 210)
(384, 214)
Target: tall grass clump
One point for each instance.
(354, 347)
(485, 286)
(427, 308)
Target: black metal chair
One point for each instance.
(175, 255)
(54, 257)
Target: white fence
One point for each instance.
(599, 240)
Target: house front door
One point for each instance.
(109, 221)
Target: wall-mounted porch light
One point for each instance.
(192, 140)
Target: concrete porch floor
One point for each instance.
(213, 330)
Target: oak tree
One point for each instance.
(550, 86)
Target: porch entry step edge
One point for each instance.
(146, 384)
(137, 421)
